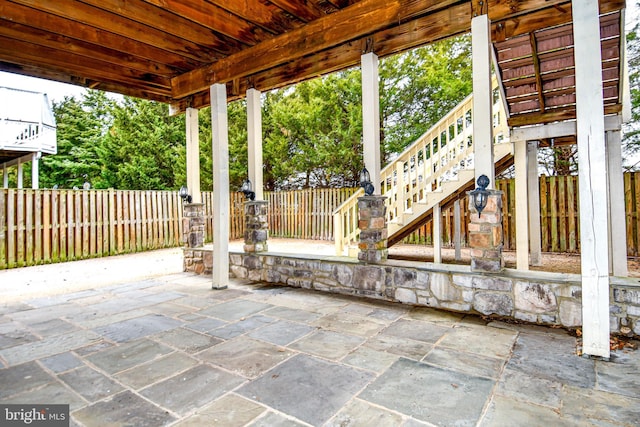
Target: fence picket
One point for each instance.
(39, 226)
(3, 229)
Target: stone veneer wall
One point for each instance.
(535, 297)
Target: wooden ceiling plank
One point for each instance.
(351, 23)
(558, 14)
(161, 18)
(62, 26)
(341, 4)
(83, 49)
(63, 76)
(325, 6)
(541, 118)
(90, 67)
(216, 19)
(262, 13)
(304, 10)
(107, 21)
(394, 40)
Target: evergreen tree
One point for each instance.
(81, 126)
(141, 149)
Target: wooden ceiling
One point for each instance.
(173, 50)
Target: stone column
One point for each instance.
(373, 228)
(193, 225)
(256, 228)
(193, 238)
(485, 234)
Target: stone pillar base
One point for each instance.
(256, 226)
(373, 228)
(193, 225)
(485, 234)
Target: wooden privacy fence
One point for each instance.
(42, 226)
(300, 214)
(559, 216)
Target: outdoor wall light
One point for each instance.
(365, 182)
(247, 190)
(480, 195)
(184, 194)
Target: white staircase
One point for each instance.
(435, 168)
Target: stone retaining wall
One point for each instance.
(535, 297)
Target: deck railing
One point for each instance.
(434, 158)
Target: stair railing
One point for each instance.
(434, 158)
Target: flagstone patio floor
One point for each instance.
(163, 348)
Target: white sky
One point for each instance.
(57, 91)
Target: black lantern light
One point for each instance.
(184, 194)
(480, 195)
(247, 190)
(365, 182)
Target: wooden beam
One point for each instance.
(566, 113)
(170, 24)
(536, 67)
(74, 30)
(507, 25)
(215, 18)
(264, 14)
(82, 48)
(430, 28)
(86, 14)
(349, 24)
(303, 10)
(27, 53)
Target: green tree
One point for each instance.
(141, 149)
(81, 127)
(631, 140)
(419, 87)
(316, 127)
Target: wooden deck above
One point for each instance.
(172, 51)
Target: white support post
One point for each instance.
(220, 147)
(482, 98)
(437, 233)
(35, 171)
(617, 215)
(457, 229)
(535, 238)
(371, 118)
(5, 176)
(254, 131)
(592, 176)
(522, 205)
(20, 174)
(193, 154)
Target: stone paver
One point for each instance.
(191, 389)
(230, 410)
(169, 350)
(245, 356)
(123, 409)
(359, 413)
(430, 394)
(119, 358)
(90, 384)
(328, 344)
(310, 389)
(149, 373)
